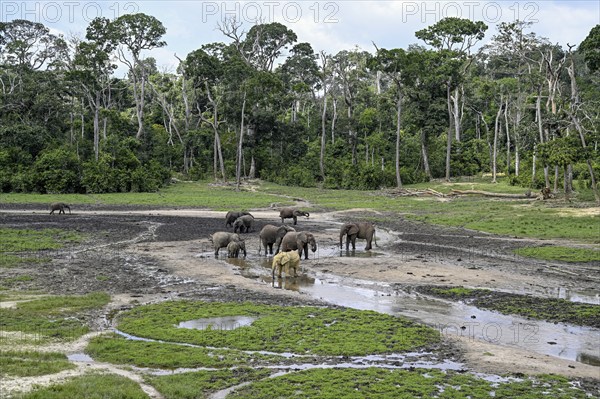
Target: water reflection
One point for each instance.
(225, 323)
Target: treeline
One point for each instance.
(263, 105)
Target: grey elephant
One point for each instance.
(243, 224)
(60, 207)
(291, 213)
(288, 260)
(298, 241)
(352, 231)
(221, 239)
(271, 234)
(231, 216)
(234, 247)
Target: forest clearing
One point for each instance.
(93, 299)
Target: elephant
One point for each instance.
(291, 213)
(270, 235)
(233, 248)
(299, 241)
(221, 239)
(289, 260)
(243, 224)
(60, 207)
(231, 216)
(353, 231)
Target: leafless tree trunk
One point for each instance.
(449, 138)
(398, 131)
(507, 137)
(238, 160)
(456, 113)
(425, 156)
(495, 145)
(333, 118)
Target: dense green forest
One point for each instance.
(260, 104)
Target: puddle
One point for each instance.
(80, 357)
(451, 319)
(576, 296)
(218, 323)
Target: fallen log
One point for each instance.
(526, 195)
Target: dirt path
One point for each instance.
(153, 255)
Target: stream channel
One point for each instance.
(450, 318)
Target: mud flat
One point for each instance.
(151, 255)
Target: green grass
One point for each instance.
(563, 254)
(118, 350)
(8, 261)
(52, 317)
(16, 240)
(201, 384)
(376, 383)
(195, 194)
(91, 386)
(301, 330)
(30, 364)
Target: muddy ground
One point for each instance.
(145, 255)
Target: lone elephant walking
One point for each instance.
(60, 207)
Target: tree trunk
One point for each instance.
(252, 173)
(507, 138)
(398, 126)
(495, 145)
(449, 138)
(238, 158)
(457, 117)
(323, 129)
(425, 156)
(333, 118)
(556, 176)
(517, 160)
(538, 117)
(533, 162)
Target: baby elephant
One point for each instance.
(289, 260)
(234, 247)
(232, 216)
(60, 207)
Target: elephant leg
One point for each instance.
(270, 249)
(353, 243)
(347, 243)
(368, 247)
(295, 220)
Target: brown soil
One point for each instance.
(142, 255)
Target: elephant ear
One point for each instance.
(352, 229)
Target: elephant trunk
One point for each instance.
(341, 237)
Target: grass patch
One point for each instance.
(301, 330)
(8, 261)
(375, 383)
(550, 309)
(91, 386)
(189, 194)
(17, 240)
(563, 254)
(118, 350)
(30, 364)
(53, 317)
(201, 384)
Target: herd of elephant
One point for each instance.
(289, 244)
